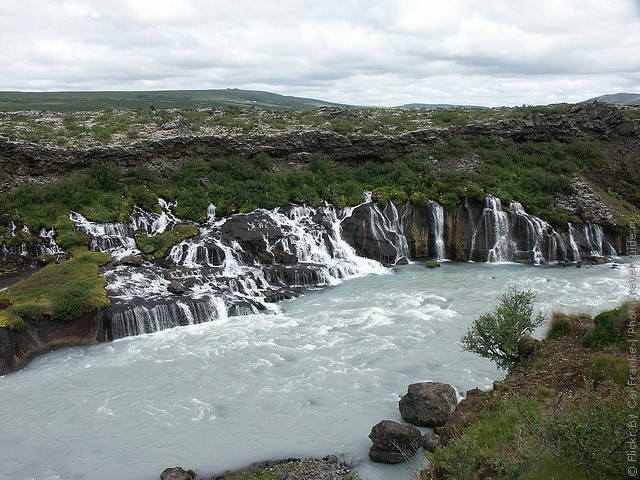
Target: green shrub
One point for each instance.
(67, 239)
(611, 326)
(343, 127)
(559, 326)
(480, 448)
(495, 335)
(588, 433)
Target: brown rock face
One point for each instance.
(18, 347)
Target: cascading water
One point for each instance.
(575, 251)
(235, 266)
(494, 231)
(437, 214)
(44, 245)
(393, 223)
(117, 239)
(538, 234)
(152, 222)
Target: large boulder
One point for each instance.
(177, 473)
(428, 404)
(393, 442)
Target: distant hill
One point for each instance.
(437, 105)
(93, 101)
(617, 99)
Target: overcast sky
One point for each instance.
(482, 52)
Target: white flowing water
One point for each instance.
(309, 380)
(437, 213)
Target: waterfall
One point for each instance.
(572, 243)
(152, 222)
(234, 266)
(117, 239)
(593, 235)
(141, 319)
(393, 224)
(45, 244)
(538, 234)
(437, 214)
(494, 230)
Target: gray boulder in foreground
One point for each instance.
(177, 473)
(428, 404)
(393, 442)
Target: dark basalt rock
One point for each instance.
(430, 441)
(176, 288)
(364, 231)
(402, 261)
(177, 473)
(132, 260)
(393, 442)
(428, 404)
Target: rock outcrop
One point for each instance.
(393, 442)
(18, 347)
(428, 404)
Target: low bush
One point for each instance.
(559, 326)
(611, 326)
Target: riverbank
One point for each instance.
(563, 414)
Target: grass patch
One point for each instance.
(62, 292)
(162, 242)
(609, 367)
(496, 427)
(559, 326)
(551, 468)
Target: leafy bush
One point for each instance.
(479, 450)
(343, 127)
(611, 326)
(495, 335)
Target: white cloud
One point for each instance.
(362, 52)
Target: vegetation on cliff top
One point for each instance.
(533, 174)
(563, 413)
(60, 291)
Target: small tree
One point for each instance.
(495, 335)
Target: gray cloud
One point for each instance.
(495, 52)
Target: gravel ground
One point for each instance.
(327, 468)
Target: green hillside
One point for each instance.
(93, 101)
